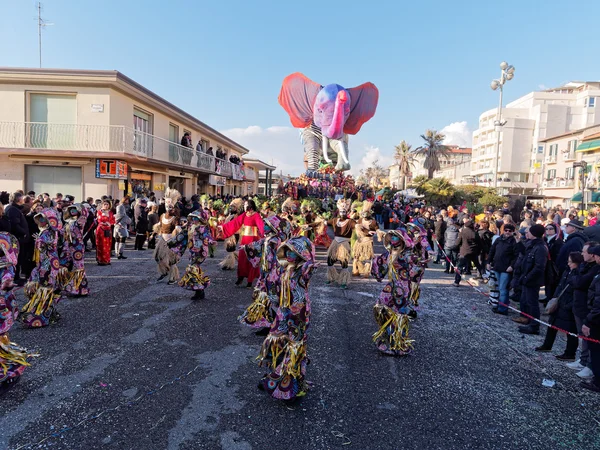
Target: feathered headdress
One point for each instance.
(366, 207)
(237, 204)
(343, 205)
(172, 196)
(290, 206)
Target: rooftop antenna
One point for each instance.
(41, 24)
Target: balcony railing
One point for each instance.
(94, 139)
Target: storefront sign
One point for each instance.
(238, 173)
(215, 180)
(159, 187)
(97, 107)
(111, 168)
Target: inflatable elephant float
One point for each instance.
(326, 116)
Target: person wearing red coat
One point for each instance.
(251, 228)
(106, 219)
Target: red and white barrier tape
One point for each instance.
(585, 338)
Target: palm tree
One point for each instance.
(432, 150)
(405, 159)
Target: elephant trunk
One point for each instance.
(336, 128)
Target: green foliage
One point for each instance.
(491, 198)
(418, 184)
(432, 150)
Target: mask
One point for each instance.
(396, 241)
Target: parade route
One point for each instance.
(472, 382)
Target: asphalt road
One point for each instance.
(473, 382)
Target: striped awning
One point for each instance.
(589, 146)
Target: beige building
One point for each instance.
(456, 156)
(260, 179)
(458, 173)
(90, 133)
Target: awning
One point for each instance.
(589, 146)
(595, 197)
(577, 197)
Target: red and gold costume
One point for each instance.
(251, 228)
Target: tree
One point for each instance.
(405, 158)
(432, 150)
(419, 184)
(375, 174)
(490, 198)
(439, 191)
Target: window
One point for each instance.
(592, 102)
(570, 173)
(174, 138)
(540, 149)
(551, 174)
(53, 118)
(142, 124)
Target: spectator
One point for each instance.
(591, 327)
(563, 316)
(4, 222)
(186, 140)
(581, 284)
(209, 151)
(377, 210)
(502, 258)
(573, 243)
(469, 250)
(439, 231)
(153, 219)
(19, 229)
(141, 223)
(532, 277)
(485, 237)
(199, 147)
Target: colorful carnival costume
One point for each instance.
(167, 229)
(322, 238)
(419, 258)
(251, 228)
(106, 220)
(362, 251)
(236, 207)
(199, 240)
(13, 359)
(393, 308)
(284, 351)
(43, 288)
(76, 217)
(289, 210)
(339, 250)
(262, 254)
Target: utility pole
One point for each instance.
(41, 24)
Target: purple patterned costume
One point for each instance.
(284, 351)
(77, 284)
(199, 240)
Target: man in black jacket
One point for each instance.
(533, 269)
(439, 229)
(18, 228)
(581, 286)
(573, 243)
(502, 258)
(591, 326)
(469, 249)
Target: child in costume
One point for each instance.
(106, 220)
(362, 251)
(76, 217)
(236, 207)
(339, 250)
(393, 307)
(284, 350)
(419, 257)
(167, 229)
(43, 289)
(263, 255)
(13, 358)
(199, 240)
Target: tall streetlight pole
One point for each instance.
(507, 74)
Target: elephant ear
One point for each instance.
(297, 97)
(363, 103)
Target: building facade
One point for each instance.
(456, 156)
(93, 133)
(260, 179)
(529, 120)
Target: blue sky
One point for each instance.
(224, 61)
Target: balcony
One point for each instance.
(557, 183)
(550, 159)
(568, 155)
(103, 140)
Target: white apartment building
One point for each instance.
(529, 120)
(458, 173)
(90, 133)
(456, 155)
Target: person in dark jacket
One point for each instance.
(451, 243)
(563, 316)
(4, 222)
(485, 237)
(19, 229)
(592, 233)
(591, 326)
(517, 288)
(469, 249)
(141, 223)
(555, 243)
(439, 229)
(378, 209)
(502, 258)
(533, 270)
(385, 216)
(573, 243)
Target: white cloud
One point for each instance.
(457, 133)
(542, 87)
(281, 147)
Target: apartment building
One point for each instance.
(458, 173)
(456, 155)
(90, 133)
(529, 120)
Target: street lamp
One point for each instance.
(508, 73)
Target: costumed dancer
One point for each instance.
(393, 308)
(43, 289)
(13, 359)
(362, 252)
(106, 220)
(339, 250)
(322, 238)
(199, 241)
(207, 205)
(167, 230)
(76, 217)
(251, 228)
(419, 257)
(289, 209)
(284, 350)
(236, 206)
(263, 255)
